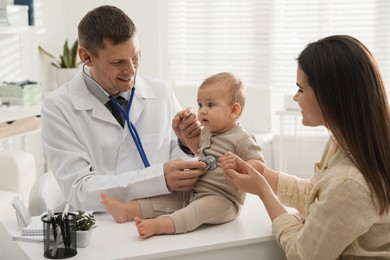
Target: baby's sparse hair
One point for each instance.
(235, 88)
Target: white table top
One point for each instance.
(120, 241)
(13, 113)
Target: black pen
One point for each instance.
(56, 231)
(49, 217)
(65, 221)
(53, 220)
(61, 223)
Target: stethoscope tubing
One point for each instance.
(133, 131)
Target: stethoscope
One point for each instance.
(126, 114)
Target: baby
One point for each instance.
(214, 200)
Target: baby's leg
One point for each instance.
(121, 212)
(156, 226)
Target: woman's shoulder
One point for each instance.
(344, 172)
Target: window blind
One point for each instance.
(259, 40)
(205, 37)
(10, 58)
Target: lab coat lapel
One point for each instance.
(141, 95)
(84, 100)
(137, 107)
(101, 112)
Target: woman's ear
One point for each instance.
(236, 110)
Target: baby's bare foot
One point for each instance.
(118, 210)
(142, 231)
(149, 227)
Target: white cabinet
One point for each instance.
(19, 53)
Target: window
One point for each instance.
(205, 37)
(259, 40)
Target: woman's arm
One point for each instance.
(246, 178)
(229, 161)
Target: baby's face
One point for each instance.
(215, 108)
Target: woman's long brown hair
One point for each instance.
(352, 95)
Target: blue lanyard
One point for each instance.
(132, 129)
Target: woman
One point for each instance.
(344, 209)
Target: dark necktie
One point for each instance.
(115, 111)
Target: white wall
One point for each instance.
(297, 155)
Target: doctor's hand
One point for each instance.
(186, 124)
(187, 129)
(182, 175)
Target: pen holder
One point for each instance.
(59, 236)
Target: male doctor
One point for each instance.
(89, 149)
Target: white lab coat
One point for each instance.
(89, 152)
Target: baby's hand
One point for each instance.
(184, 113)
(228, 161)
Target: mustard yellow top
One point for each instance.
(337, 218)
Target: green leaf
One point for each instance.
(73, 54)
(68, 58)
(54, 62)
(84, 221)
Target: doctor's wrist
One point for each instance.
(185, 148)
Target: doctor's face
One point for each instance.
(115, 66)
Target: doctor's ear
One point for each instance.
(84, 55)
(87, 60)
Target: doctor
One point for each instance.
(88, 149)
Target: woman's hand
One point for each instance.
(228, 161)
(249, 180)
(241, 174)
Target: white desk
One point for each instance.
(23, 127)
(248, 237)
(13, 113)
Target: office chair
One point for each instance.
(46, 194)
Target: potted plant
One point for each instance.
(85, 222)
(67, 63)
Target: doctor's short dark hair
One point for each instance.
(104, 22)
